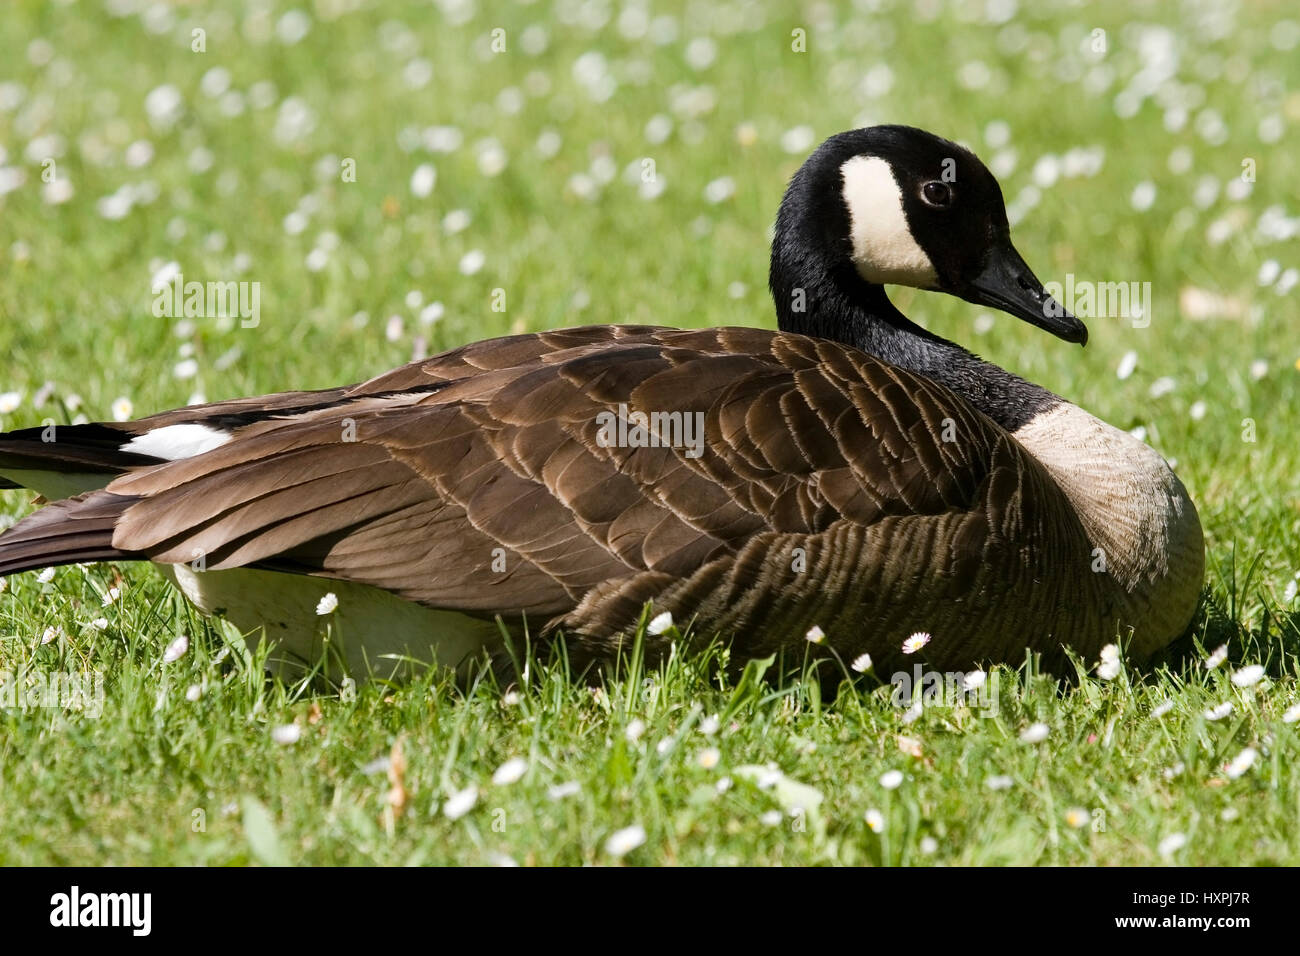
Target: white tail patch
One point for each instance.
(172, 442)
(884, 249)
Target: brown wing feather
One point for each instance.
(417, 480)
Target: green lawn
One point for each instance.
(235, 163)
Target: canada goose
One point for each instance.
(857, 473)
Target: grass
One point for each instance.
(159, 778)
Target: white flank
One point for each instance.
(172, 442)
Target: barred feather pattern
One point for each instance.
(833, 490)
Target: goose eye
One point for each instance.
(937, 194)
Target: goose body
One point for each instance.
(855, 472)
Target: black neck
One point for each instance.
(836, 303)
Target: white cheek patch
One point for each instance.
(176, 441)
(883, 247)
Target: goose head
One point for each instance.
(894, 205)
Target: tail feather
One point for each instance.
(67, 532)
(92, 449)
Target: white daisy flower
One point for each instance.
(472, 261)
(1108, 670)
(815, 635)
(634, 730)
(46, 576)
(1219, 655)
(709, 725)
(875, 820)
(1292, 714)
(327, 604)
(862, 663)
(286, 734)
(1076, 817)
(1248, 676)
(51, 635)
(974, 680)
(891, 779)
(708, 758)
(1162, 708)
(1035, 733)
(1218, 713)
(913, 712)
(111, 595)
(1171, 844)
(460, 803)
(1242, 762)
(423, 180)
(929, 845)
(1110, 652)
(193, 693)
(122, 409)
(510, 772)
(622, 842)
(999, 782)
(771, 818)
(916, 642)
(176, 649)
(660, 623)
(562, 790)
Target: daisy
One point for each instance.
(1076, 817)
(916, 642)
(328, 604)
(913, 713)
(891, 779)
(193, 693)
(634, 730)
(771, 818)
(709, 725)
(562, 790)
(708, 758)
(1171, 844)
(999, 782)
(974, 680)
(51, 635)
(622, 842)
(1162, 708)
(1248, 676)
(1218, 713)
(875, 820)
(929, 845)
(1242, 762)
(862, 663)
(1292, 714)
(815, 635)
(46, 576)
(176, 649)
(460, 803)
(1108, 670)
(1219, 655)
(286, 734)
(423, 180)
(122, 409)
(510, 772)
(1035, 733)
(660, 623)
